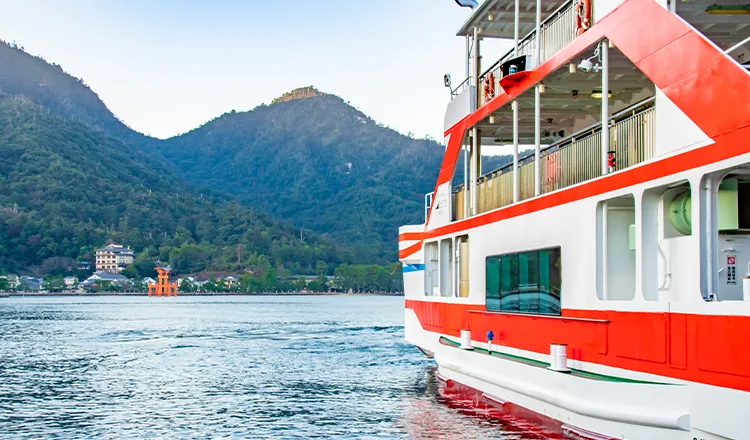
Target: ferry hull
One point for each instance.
(614, 403)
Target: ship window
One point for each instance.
(431, 270)
(525, 282)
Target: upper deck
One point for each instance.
(565, 113)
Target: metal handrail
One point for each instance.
(454, 92)
(527, 37)
(633, 110)
(523, 40)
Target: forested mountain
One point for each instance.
(313, 159)
(73, 176)
(66, 95)
(65, 189)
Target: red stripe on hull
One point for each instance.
(706, 349)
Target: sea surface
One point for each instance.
(291, 367)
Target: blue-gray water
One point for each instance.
(220, 367)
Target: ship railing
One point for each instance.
(557, 31)
(460, 88)
(571, 160)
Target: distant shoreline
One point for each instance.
(67, 294)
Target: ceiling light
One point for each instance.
(572, 68)
(490, 16)
(586, 65)
(492, 119)
(542, 88)
(597, 94)
(728, 9)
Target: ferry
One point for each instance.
(600, 283)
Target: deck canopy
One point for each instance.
(725, 22)
(567, 105)
(496, 18)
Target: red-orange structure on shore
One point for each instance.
(162, 287)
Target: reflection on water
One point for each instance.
(222, 367)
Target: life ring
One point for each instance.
(582, 16)
(489, 87)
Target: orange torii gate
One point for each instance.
(162, 287)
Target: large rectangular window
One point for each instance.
(525, 282)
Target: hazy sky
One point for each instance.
(166, 66)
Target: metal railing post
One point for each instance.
(516, 189)
(604, 50)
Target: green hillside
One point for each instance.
(308, 159)
(313, 159)
(65, 188)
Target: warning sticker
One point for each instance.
(731, 259)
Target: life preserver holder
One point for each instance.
(582, 16)
(489, 87)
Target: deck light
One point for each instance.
(728, 9)
(542, 88)
(492, 119)
(597, 94)
(490, 16)
(572, 68)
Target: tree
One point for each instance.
(52, 283)
(300, 284)
(144, 265)
(4, 285)
(187, 259)
(315, 285)
(187, 286)
(130, 271)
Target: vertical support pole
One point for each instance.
(538, 33)
(515, 31)
(466, 180)
(537, 141)
(475, 142)
(604, 51)
(473, 169)
(605, 281)
(468, 60)
(475, 67)
(538, 104)
(516, 187)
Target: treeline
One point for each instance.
(65, 190)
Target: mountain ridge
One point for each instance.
(308, 158)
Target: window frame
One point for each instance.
(513, 269)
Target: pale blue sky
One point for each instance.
(166, 66)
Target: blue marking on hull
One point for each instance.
(413, 267)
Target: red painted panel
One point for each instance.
(640, 336)
(715, 355)
(691, 52)
(637, 37)
(678, 341)
(722, 344)
(707, 99)
(408, 236)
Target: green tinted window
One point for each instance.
(526, 282)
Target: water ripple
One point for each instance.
(221, 367)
